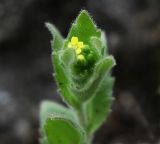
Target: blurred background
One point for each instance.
(133, 32)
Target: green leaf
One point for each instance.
(89, 89)
(63, 131)
(84, 28)
(57, 42)
(96, 43)
(43, 139)
(104, 43)
(46, 109)
(50, 107)
(99, 106)
(68, 57)
(63, 81)
(61, 78)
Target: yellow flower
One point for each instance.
(78, 51)
(78, 46)
(74, 41)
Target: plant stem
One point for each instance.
(82, 120)
(81, 117)
(89, 139)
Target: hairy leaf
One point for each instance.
(84, 28)
(46, 109)
(60, 130)
(99, 106)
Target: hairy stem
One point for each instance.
(81, 117)
(83, 122)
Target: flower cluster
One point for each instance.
(78, 46)
(86, 56)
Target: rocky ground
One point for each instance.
(133, 31)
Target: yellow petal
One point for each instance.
(74, 40)
(78, 51)
(80, 45)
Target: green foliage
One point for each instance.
(98, 107)
(84, 28)
(60, 130)
(82, 71)
(50, 109)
